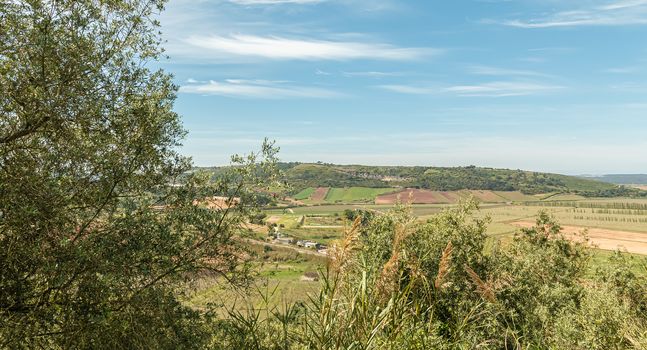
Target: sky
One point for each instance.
(544, 85)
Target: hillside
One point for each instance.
(621, 179)
(307, 175)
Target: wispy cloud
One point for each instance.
(495, 71)
(274, 2)
(493, 89)
(622, 70)
(502, 89)
(282, 48)
(371, 74)
(256, 89)
(623, 12)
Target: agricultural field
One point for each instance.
(355, 194)
(305, 194)
(416, 196)
(283, 277)
(319, 194)
(612, 223)
(312, 195)
(421, 196)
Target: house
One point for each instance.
(311, 245)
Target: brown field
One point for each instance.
(319, 194)
(486, 196)
(418, 196)
(413, 196)
(641, 187)
(452, 197)
(605, 239)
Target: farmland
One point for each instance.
(617, 222)
(355, 194)
(612, 224)
(320, 213)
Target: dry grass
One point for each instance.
(340, 253)
(482, 288)
(443, 266)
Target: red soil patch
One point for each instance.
(605, 239)
(319, 194)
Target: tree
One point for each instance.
(99, 222)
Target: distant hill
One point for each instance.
(621, 179)
(306, 175)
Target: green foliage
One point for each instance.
(258, 218)
(100, 225)
(302, 176)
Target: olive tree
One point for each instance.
(101, 221)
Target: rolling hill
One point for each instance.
(302, 176)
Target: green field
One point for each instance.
(355, 194)
(305, 194)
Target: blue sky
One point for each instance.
(546, 85)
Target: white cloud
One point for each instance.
(624, 12)
(622, 70)
(624, 4)
(257, 89)
(494, 71)
(493, 89)
(371, 74)
(281, 48)
(407, 89)
(274, 2)
(501, 89)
